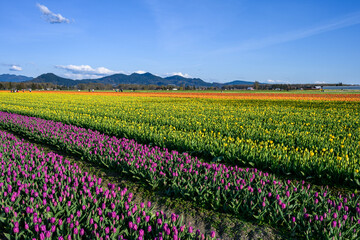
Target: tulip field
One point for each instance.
(313, 139)
(271, 160)
(43, 196)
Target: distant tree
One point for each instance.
(256, 85)
(21, 86)
(83, 86)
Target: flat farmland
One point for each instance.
(309, 135)
(266, 156)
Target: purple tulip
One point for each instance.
(333, 224)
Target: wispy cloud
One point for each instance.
(85, 71)
(15, 68)
(349, 20)
(272, 81)
(79, 76)
(12, 67)
(51, 17)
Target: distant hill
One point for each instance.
(150, 79)
(179, 81)
(238, 82)
(135, 78)
(13, 78)
(52, 78)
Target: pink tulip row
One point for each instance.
(44, 196)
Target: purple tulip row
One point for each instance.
(293, 205)
(44, 196)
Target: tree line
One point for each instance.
(101, 86)
(86, 86)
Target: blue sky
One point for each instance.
(300, 41)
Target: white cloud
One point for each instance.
(185, 75)
(85, 71)
(320, 82)
(140, 72)
(79, 76)
(50, 16)
(272, 81)
(15, 68)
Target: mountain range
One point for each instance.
(14, 78)
(116, 79)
